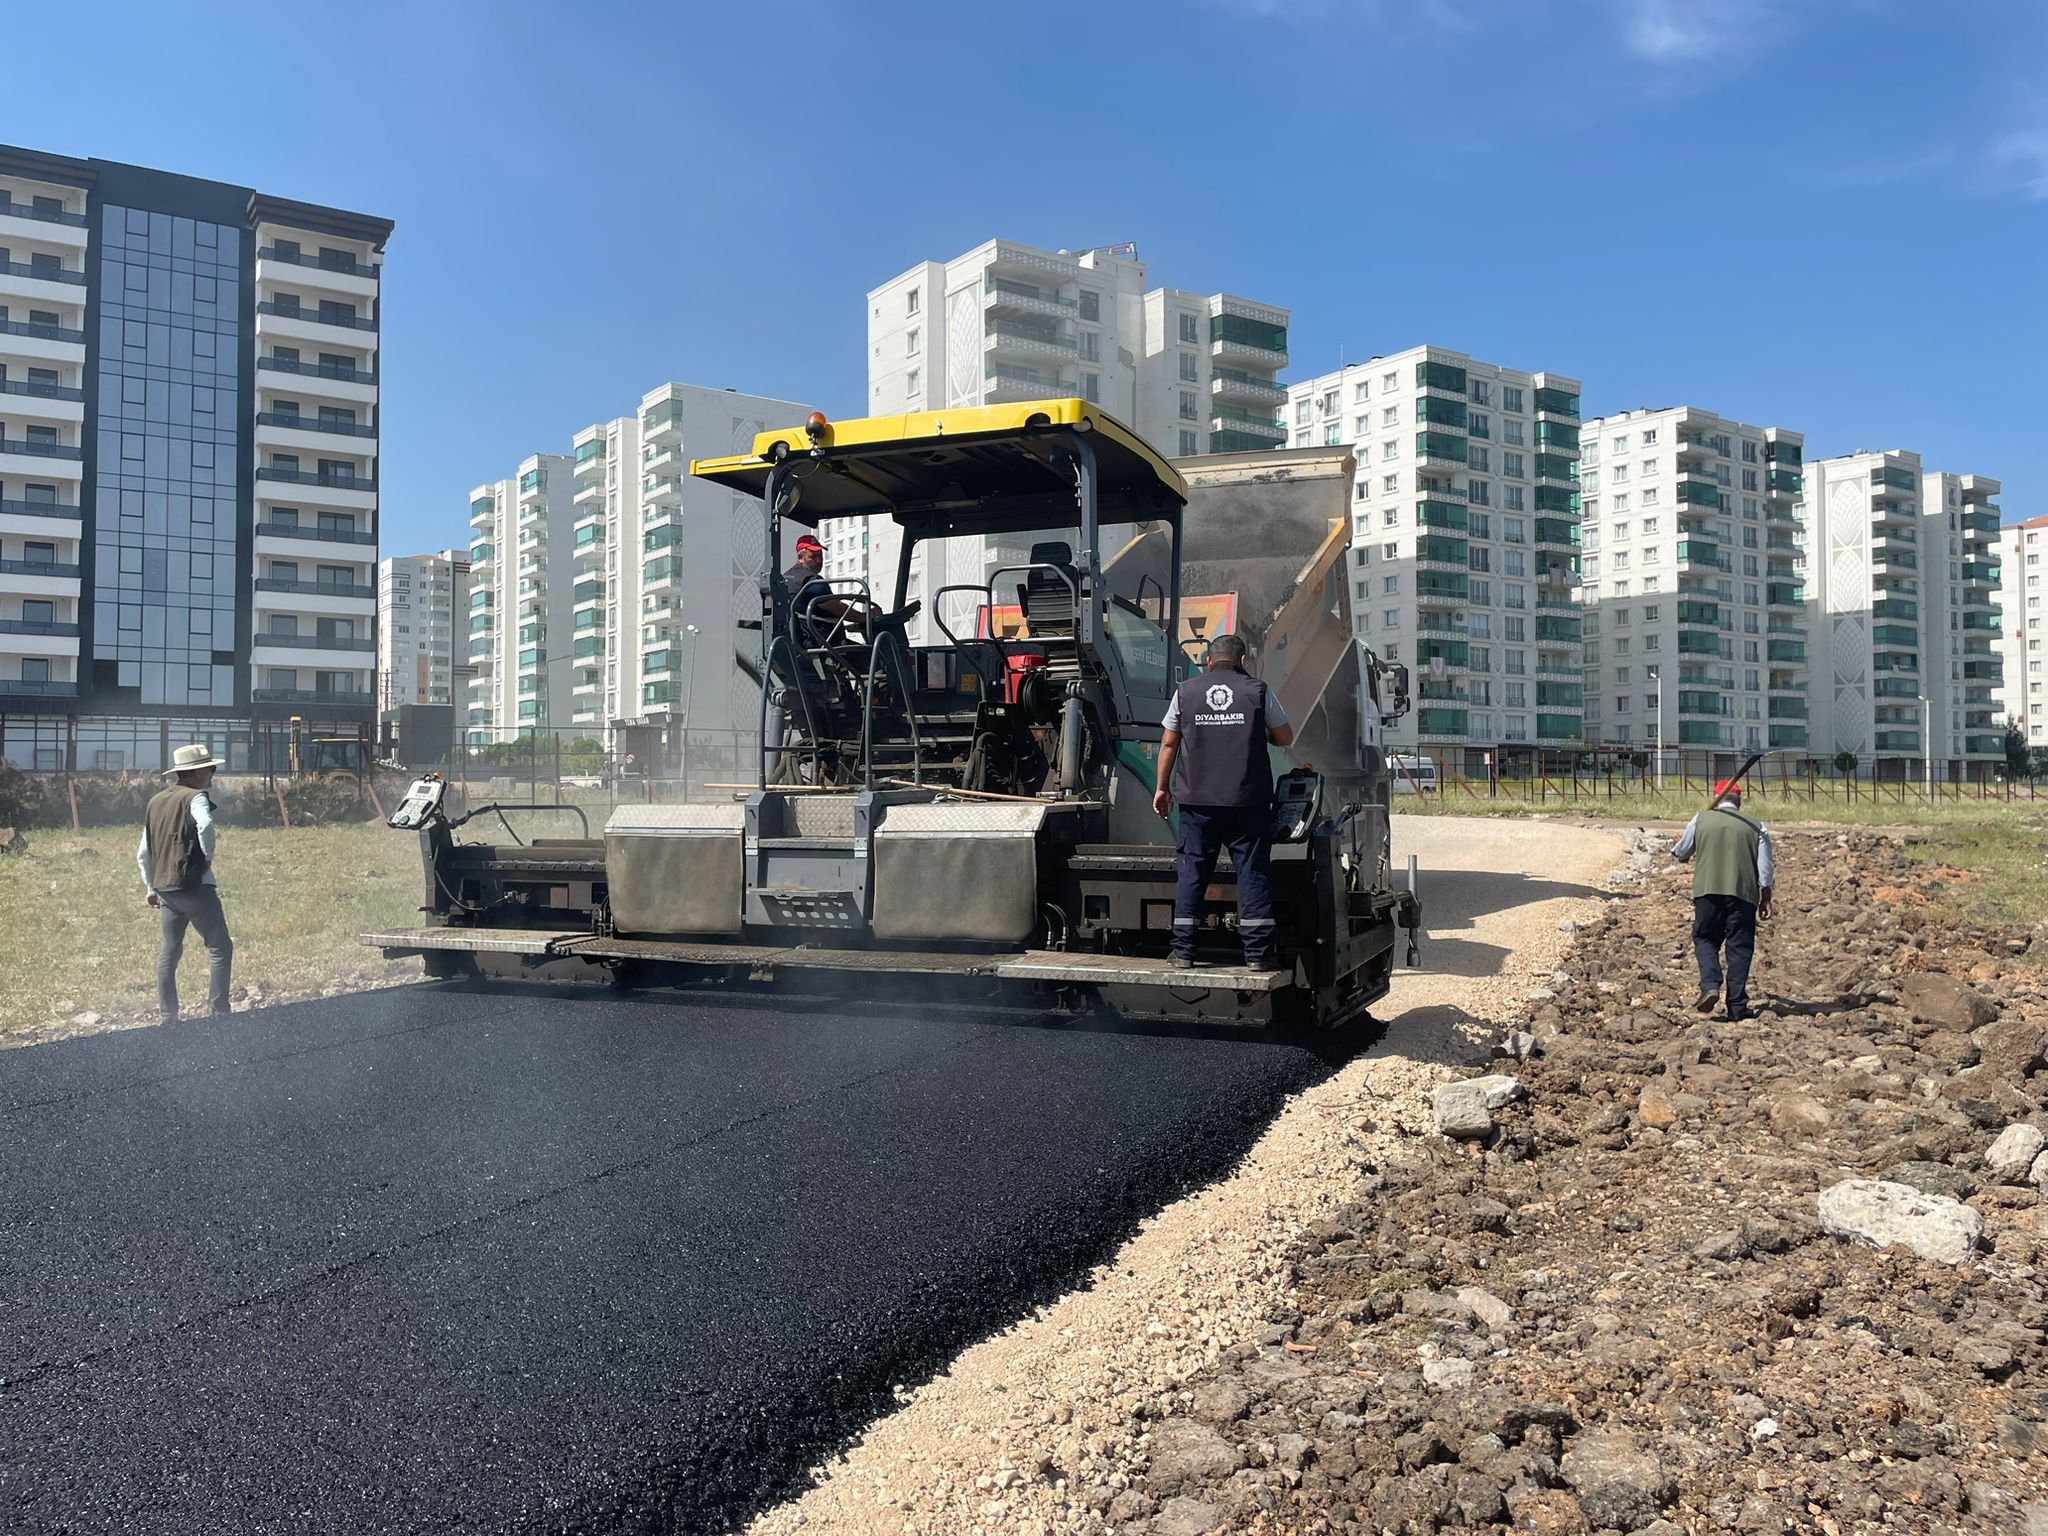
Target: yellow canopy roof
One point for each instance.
(977, 468)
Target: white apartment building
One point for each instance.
(227, 474)
(1904, 615)
(1007, 322)
(519, 635)
(664, 569)
(2022, 692)
(1691, 565)
(422, 612)
(1465, 533)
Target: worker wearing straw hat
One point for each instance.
(1732, 874)
(176, 860)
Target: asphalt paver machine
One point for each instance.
(971, 811)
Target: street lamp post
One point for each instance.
(1927, 742)
(1657, 677)
(689, 691)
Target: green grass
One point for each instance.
(81, 937)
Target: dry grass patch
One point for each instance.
(81, 938)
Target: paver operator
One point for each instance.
(811, 595)
(176, 860)
(1732, 873)
(1213, 759)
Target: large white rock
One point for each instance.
(1884, 1214)
(2014, 1152)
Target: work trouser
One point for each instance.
(1247, 831)
(198, 908)
(1718, 923)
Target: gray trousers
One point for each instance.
(199, 909)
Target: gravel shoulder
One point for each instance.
(1044, 1427)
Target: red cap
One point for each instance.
(808, 541)
(1727, 787)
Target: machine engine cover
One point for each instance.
(676, 869)
(949, 870)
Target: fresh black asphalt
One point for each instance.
(427, 1259)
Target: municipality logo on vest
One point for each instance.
(1220, 696)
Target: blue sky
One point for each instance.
(1825, 214)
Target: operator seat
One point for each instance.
(1047, 601)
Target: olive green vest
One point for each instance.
(176, 861)
(1724, 855)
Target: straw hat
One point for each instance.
(192, 758)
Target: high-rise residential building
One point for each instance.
(1007, 322)
(188, 466)
(519, 633)
(1691, 567)
(1904, 615)
(1465, 536)
(422, 629)
(665, 569)
(2022, 692)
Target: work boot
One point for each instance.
(1181, 962)
(1704, 1003)
(1737, 1012)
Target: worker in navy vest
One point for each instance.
(1213, 760)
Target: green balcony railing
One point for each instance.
(1691, 642)
(1247, 332)
(1441, 722)
(1784, 593)
(1450, 376)
(1699, 613)
(1984, 524)
(1556, 532)
(1987, 621)
(1789, 455)
(587, 591)
(1895, 687)
(1557, 631)
(1893, 479)
(1895, 608)
(1699, 733)
(1555, 466)
(1238, 440)
(1560, 695)
(1557, 434)
(1785, 650)
(1783, 736)
(533, 480)
(1895, 634)
(1784, 480)
(1699, 702)
(1700, 552)
(483, 506)
(1984, 746)
(1441, 445)
(1455, 653)
(1441, 412)
(1788, 709)
(1699, 493)
(1897, 741)
(1555, 498)
(1557, 402)
(1450, 516)
(1441, 550)
(594, 449)
(1440, 587)
(1558, 727)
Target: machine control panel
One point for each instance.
(421, 804)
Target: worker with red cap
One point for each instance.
(811, 595)
(1732, 875)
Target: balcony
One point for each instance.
(1699, 705)
(1788, 736)
(1784, 482)
(1984, 746)
(1895, 635)
(341, 274)
(1006, 386)
(359, 491)
(1556, 533)
(1560, 695)
(308, 696)
(1785, 650)
(320, 588)
(1001, 295)
(1699, 733)
(1556, 402)
(1440, 590)
(1235, 384)
(1268, 431)
(1783, 594)
(1443, 448)
(1788, 709)
(1441, 552)
(351, 538)
(1242, 339)
(1453, 653)
(1442, 724)
(1897, 741)
(39, 449)
(1557, 631)
(1015, 341)
(1895, 608)
(323, 321)
(1700, 493)
(310, 434)
(1981, 524)
(1443, 516)
(1558, 728)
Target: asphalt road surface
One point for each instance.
(430, 1260)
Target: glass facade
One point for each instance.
(166, 561)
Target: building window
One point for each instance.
(910, 342)
(911, 301)
(911, 381)
(1187, 444)
(1189, 371)
(1511, 398)
(1091, 304)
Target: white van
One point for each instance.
(1412, 774)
